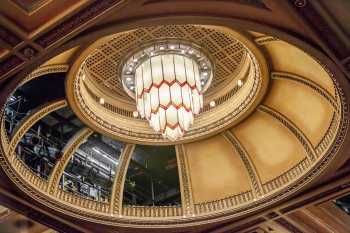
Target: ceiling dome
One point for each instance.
(97, 75)
(277, 123)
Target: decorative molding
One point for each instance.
(67, 153)
(328, 137)
(212, 212)
(265, 39)
(80, 19)
(134, 130)
(305, 142)
(187, 201)
(105, 61)
(83, 206)
(5, 141)
(29, 121)
(29, 7)
(29, 52)
(116, 203)
(288, 176)
(248, 163)
(43, 70)
(314, 86)
(218, 210)
(238, 201)
(152, 211)
(21, 170)
(60, 32)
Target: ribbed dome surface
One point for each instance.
(268, 138)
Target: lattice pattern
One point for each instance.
(104, 64)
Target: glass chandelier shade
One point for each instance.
(169, 93)
(168, 84)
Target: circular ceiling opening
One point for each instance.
(188, 86)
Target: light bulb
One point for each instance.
(212, 103)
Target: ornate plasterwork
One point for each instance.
(115, 117)
(105, 62)
(67, 153)
(305, 142)
(29, 121)
(249, 165)
(118, 184)
(136, 130)
(185, 181)
(238, 205)
(20, 169)
(43, 70)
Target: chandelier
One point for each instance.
(167, 80)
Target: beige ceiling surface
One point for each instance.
(309, 111)
(216, 170)
(302, 102)
(272, 148)
(287, 58)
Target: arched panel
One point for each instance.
(272, 147)
(216, 170)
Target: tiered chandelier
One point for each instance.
(167, 80)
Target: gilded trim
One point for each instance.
(314, 86)
(305, 142)
(187, 202)
(248, 163)
(83, 206)
(43, 70)
(265, 39)
(21, 169)
(133, 130)
(67, 153)
(4, 138)
(327, 139)
(29, 121)
(153, 212)
(288, 176)
(116, 203)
